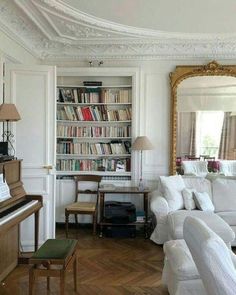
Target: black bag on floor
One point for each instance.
(120, 212)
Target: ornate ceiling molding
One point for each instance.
(54, 31)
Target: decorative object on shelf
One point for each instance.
(142, 143)
(92, 83)
(9, 113)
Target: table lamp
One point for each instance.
(8, 113)
(142, 143)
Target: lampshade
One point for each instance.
(142, 143)
(8, 112)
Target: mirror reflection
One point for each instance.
(206, 125)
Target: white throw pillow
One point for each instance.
(203, 201)
(188, 197)
(172, 188)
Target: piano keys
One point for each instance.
(12, 212)
(17, 210)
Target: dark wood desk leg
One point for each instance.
(101, 195)
(145, 207)
(67, 221)
(36, 230)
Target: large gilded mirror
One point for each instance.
(203, 114)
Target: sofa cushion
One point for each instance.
(198, 168)
(189, 202)
(224, 194)
(172, 188)
(203, 201)
(200, 184)
(227, 167)
(228, 216)
(180, 260)
(176, 219)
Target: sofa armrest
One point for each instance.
(233, 257)
(159, 206)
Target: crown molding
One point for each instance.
(53, 31)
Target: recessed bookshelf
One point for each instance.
(94, 126)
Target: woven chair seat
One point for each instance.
(82, 206)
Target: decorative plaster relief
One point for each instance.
(72, 35)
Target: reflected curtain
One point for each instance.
(227, 146)
(186, 134)
(192, 144)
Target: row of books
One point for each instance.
(118, 165)
(85, 148)
(116, 96)
(94, 95)
(89, 131)
(93, 113)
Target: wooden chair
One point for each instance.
(52, 259)
(82, 207)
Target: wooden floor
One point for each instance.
(107, 266)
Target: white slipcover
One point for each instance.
(180, 274)
(224, 194)
(222, 191)
(198, 168)
(211, 256)
(227, 167)
(218, 225)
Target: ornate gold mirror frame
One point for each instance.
(181, 73)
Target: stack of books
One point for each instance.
(140, 216)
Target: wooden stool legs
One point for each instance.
(35, 272)
(31, 281)
(62, 282)
(75, 266)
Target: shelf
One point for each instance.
(124, 224)
(93, 122)
(92, 156)
(91, 104)
(104, 86)
(95, 138)
(102, 173)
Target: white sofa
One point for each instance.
(227, 167)
(170, 213)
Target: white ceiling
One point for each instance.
(186, 16)
(56, 30)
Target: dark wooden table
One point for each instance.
(120, 191)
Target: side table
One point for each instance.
(124, 190)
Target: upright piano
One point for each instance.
(12, 212)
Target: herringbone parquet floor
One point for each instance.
(107, 266)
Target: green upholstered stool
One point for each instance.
(52, 260)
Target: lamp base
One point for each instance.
(141, 185)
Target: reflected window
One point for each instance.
(208, 132)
